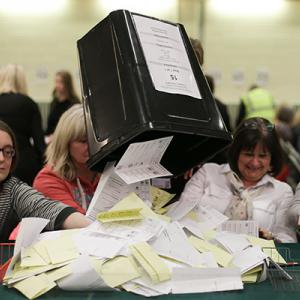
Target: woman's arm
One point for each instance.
(284, 229)
(27, 202)
(76, 220)
(294, 210)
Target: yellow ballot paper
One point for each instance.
(34, 286)
(155, 267)
(120, 215)
(132, 201)
(59, 273)
(40, 248)
(31, 258)
(268, 247)
(159, 197)
(119, 270)
(222, 257)
(61, 249)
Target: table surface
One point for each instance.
(263, 290)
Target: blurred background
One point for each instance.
(245, 41)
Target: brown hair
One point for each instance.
(68, 83)
(197, 46)
(251, 132)
(4, 127)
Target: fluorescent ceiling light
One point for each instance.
(151, 7)
(251, 8)
(31, 7)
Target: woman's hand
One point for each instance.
(265, 234)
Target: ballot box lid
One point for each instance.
(141, 80)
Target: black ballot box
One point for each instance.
(141, 81)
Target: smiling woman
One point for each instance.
(245, 189)
(18, 200)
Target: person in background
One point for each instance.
(258, 102)
(18, 200)
(22, 114)
(221, 106)
(245, 189)
(64, 96)
(296, 131)
(66, 177)
(284, 119)
(198, 49)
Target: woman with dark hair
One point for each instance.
(18, 200)
(64, 96)
(245, 189)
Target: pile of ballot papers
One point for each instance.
(133, 245)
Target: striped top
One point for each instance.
(18, 200)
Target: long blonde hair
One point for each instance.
(71, 127)
(12, 79)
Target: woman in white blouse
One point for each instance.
(245, 189)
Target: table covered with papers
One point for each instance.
(262, 290)
(133, 246)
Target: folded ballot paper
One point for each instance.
(132, 245)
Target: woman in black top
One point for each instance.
(22, 114)
(64, 97)
(18, 200)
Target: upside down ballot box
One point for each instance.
(140, 81)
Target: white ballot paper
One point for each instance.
(98, 245)
(29, 231)
(248, 227)
(248, 258)
(111, 189)
(166, 57)
(232, 242)
(198, 280)
(173, 243)
(141, 161)
(83, 277)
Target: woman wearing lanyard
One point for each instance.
(245, 188)
(66, 177)
(18, 200)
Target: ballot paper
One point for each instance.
(181, 208)
(98, 244)
(232, 242)
(159, 198)
(111, 189)
(141, 161)
(248, 258)
(132, 231)
(198, 280)
(29, 230)
(83, 277)
(31, 258)
(173, 243)
(119, 270)
(120, 215)
(154, 266)
(222, 257)
(35, 286)
(248, 227)
(268, 247)
(202, 219)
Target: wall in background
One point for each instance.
(239, 48)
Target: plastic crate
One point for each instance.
(6, 253)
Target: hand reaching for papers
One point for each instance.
(268, 235)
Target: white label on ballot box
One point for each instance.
(166, 57)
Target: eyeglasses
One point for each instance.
(258, 123)
(8, 151)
